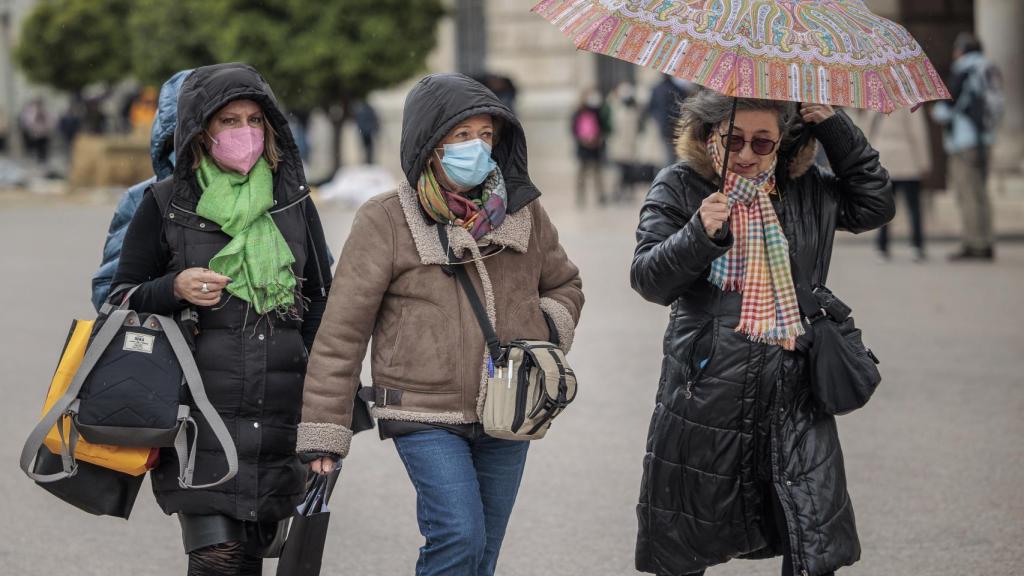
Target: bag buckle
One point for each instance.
(821, 313)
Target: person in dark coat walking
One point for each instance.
(740, 461)
(368, 125)
(233, 236)
(666, 98)
(590, 125)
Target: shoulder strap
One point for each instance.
(109, 307)
(458, 269)
(186, 464)
(809, 306)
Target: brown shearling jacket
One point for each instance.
(427, 349)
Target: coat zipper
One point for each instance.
(316, 253)
(650, 492)
(756, 434)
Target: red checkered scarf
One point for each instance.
(757, 265)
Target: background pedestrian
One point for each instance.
(666, 98)
(590, 126)
(901, 139)
(969, 128)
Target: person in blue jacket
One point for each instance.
(161, 149)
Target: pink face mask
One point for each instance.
(238, 149)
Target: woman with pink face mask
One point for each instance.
(232, 246)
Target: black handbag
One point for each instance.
(843, 371)
(94, 489)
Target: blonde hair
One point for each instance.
(271, 153)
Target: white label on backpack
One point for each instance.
(135, 342)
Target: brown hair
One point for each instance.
(707, 109)
(271, 153)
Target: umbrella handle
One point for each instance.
(724, 231)
(725, 159)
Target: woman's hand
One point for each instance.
(714, 211)
(816, 113)
(199, 286)
(323, 465)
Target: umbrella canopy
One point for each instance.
(820, 51)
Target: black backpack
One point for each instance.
(133, 389)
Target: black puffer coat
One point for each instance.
(723, 437)
(252, 366)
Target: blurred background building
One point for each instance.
(538, 71)
(549, 73)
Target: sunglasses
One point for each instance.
(760, 146)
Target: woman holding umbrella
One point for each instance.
(740, 462)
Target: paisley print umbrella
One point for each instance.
(819, 51)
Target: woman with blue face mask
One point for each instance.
(464, 157)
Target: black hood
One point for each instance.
(206, 91)
(437, 104)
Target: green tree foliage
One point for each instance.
(318, 53)
(69, 44)
(169, 36)
(328, 54)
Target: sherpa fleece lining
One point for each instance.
(564, 324)
(422, 417)
(323, 437)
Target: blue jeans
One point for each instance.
(465, 490)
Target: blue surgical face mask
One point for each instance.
(467, 164)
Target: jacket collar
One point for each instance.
(514, 232)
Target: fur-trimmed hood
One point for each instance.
(691, 150)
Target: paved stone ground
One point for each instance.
(935, 462)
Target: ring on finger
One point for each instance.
(204, 288)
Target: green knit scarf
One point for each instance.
(258, 260)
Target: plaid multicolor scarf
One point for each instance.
(478, 215)
(758, 263)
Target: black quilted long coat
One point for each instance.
(724, 436)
